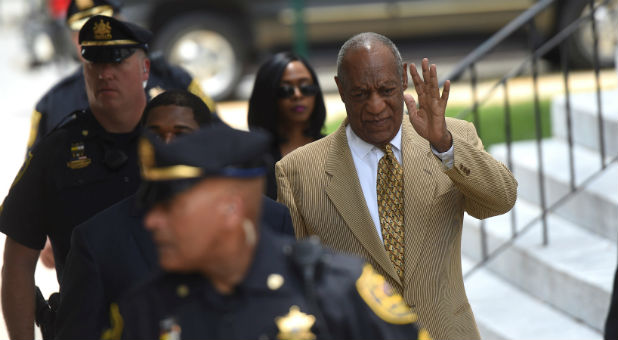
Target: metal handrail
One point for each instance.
(558, 40)
(496, 39)
(506, 245)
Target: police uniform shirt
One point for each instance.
(111, 253)
(75, 172)
(270, 303)
(69, 95)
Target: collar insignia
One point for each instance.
(79, 159)
(102, 30)
(295, 325)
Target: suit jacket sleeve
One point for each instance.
(488, 186)
(82, 304)
(285, 196)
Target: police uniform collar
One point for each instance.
(269, 259)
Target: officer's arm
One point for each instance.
(83, 309)
(18, 289)
(37, 128)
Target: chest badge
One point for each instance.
(170, 329)
(79, 159)
(295, 325)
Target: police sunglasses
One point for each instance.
(287, 91)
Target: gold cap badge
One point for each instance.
(152, 173)
(102, 30)
(295, 325)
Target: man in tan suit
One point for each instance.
(330, 185)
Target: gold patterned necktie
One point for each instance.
(390, 207)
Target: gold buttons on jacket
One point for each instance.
(274, 281)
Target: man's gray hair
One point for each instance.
(364, 40)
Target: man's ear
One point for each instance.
(146, 69)
(404, 77)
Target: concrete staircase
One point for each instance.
(562, 290)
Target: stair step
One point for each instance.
(574, 273)
(585, 121)
(503, 311)
(595, 207)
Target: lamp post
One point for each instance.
(300, 35)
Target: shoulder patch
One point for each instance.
(34, 127)
(196, 89)
(381, 298)
(23, 168)
(423, 334)
(117, 324)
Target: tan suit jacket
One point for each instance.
(319, 184)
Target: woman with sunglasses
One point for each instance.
(287, 102)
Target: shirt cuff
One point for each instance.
(447, 157)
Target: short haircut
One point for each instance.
(201, 112)
(362, 40)
(263, 108)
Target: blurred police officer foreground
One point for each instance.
(228, 276)
(112, 251)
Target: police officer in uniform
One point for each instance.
(80, 168)
(112, 252)
(69, 94)
(228, 277)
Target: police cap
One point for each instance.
(80, 11)
(108, 40)
(212, 151)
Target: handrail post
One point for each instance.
(539, 138)
(477, 125)
(509, 147)
(475, 101)
(597, 67)
(564, 63)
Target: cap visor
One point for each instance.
(106, 54)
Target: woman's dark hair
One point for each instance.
(201, 112)
(263, 108)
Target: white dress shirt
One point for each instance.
(366, 157)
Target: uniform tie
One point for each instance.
(390, 207)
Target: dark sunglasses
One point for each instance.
(287, 91)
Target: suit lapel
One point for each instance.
(344, 191)
(419, 188)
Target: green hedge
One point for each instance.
(492, 121)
